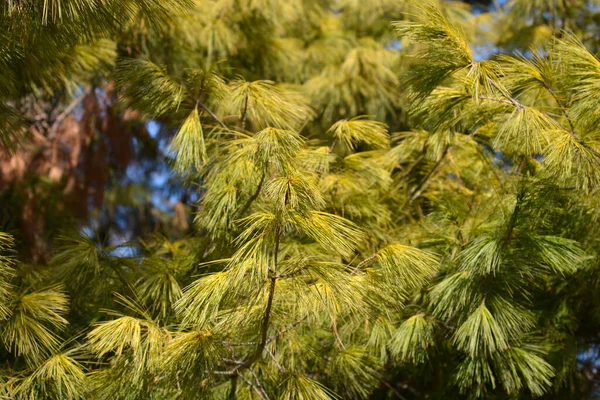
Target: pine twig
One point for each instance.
(496, 100)
(227, 344)
(233, 388)
(272, 338)
(215, 117)
(224, 373)
(333, 145)
(267, 315)
(279, 366)
(512, 222)
(336, 333)
(393, 389)
(259, 384)
(266, 319)
(254, 195)
(245, 113)
(362, 263)
(512, 100)
(285, 330)
(65, 113)
(561, 106)
(257, 390)
(419, 189)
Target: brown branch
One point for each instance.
(336, 333)
(267, 315)
(245, 113)
(514, 102)
(215, 117)
(496, 100)
(406, 173)
(419, 189)
(233, 388)
(362, 263)
(254, 196)
(65, 113)
(257, 390)
(487, 160)
(285, 330)
(455, 168)
(269, 340)
(393, 389)
(266, 318)
(259, 384)
(333, 145)
(512, 222)
(227, 344)
(279, 366)
(232, 361)
(224, 373)
(561, 106)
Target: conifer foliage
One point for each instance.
(382, 211)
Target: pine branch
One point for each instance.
(272, 281)
(363, 263)
(513, 101)
(561, 105)
(272, 338)
(336, 333)
(258, 389)
(335, 140)
(266, 317)
(233, 387)
(254, 196)
(60, 118)
(410, 169)
(285, 330)
(455, 168)
(227, 344)
(232, 361)
(215, 117)
(259, 384)
(245, 113)
(419, 189)
(279, 367)
(393, 389)
(513, 221)
(224, 373)
(497, 100)
(121, 277)
(232, 396)
(489, 162)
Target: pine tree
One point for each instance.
(287, 275)
(377, 216)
